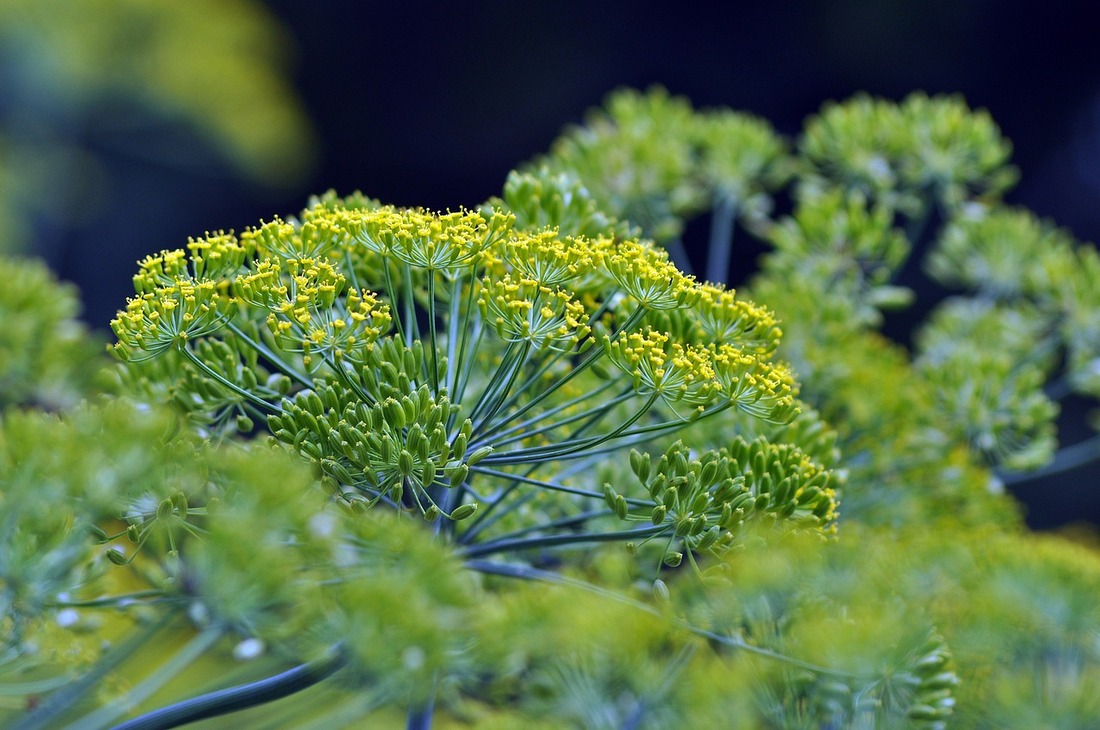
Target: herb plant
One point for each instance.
(516, 466)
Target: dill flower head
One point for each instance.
(449, 364)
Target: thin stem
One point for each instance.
(270, 355)
(583, 365)
(234, 699)
(46, 714)
(420, 718)
(592, 413)
(571, 521)
(108, 601)
(257, 400)
(393, 294)
(524, 572)
(432, 343)
(191, 651)
(569, 446)
(496, 433)
(1067, 459)
(512, 545)
(721, 239)
(467, 327)
(548, 485)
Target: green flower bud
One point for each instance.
(463, 511)
(478, 455)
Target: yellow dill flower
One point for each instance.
(674, 372)
(524, 310)
(169, 316)
(645, 273)
(756, 386)
(724, 319)
(553, 260)
(447, 243)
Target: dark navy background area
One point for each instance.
(432, 104)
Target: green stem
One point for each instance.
(570, 446)
(524, 572)
(108, 601)
(1067, 459)
(549, 485)
(596, 411)
(191, 651)
(47, 714)
(270, 356)
(529, 543)
(257, 400)
(721, 239)
(240, 697)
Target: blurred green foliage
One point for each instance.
(140, 79)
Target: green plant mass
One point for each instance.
(517, 467)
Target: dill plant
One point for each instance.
(513, 467)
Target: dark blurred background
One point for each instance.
(432, 104)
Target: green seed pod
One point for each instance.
(308, 422)
(395, 414)
(411, 408)
(763, 484)
(433, 418)
(313, 403)
(437, 441)
(660, 591)
(783, 491)
(312, 450)
(740, 501)
(620, 506)
(463, 511)
(179, 501)
(397, 492)
(431, 513)
(708, 473)
(479, 454)
(414, 437)
(710, 536)
(165, 509)
(275, 423)
(132, 533)
(679, 462)
(405, 463)
(673, 559)
(457, 475)
(759, 466)
(658, 514)
(117, 557)
(640, 465)
(244, 424)
(927, 713)
(761, 502)
(458, 447)
(671, 497)
(700, 503)
(99, 534)
(942, 680)
(427, 478)
(413, 357)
